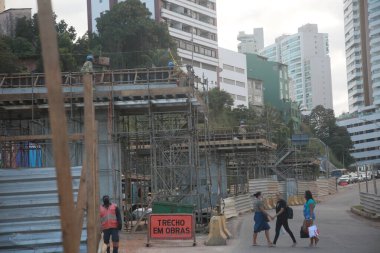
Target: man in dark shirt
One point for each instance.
(282, 219)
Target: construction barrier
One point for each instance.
(216, 234)
(243, 203)
(230, 208)
(224, 227)
(370, 203)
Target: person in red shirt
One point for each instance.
(111, 223)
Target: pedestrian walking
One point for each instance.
(282, 219)
(111, 223)
(261, 219)
(309, 214)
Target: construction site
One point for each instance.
(140, 136)
(153, 137)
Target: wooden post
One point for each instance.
(58, 125)
(96, 183)
(89, 138)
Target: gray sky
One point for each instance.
(277, 17)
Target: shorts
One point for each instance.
(107, 233)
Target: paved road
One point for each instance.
(341, 231)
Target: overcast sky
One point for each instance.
(277, 17)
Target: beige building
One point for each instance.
(8, 19)
(2, 5)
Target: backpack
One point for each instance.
(289, 212)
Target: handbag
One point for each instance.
(266, 218)
(313, 231)
(304, 233)
(289, 212)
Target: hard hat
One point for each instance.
(90, 57)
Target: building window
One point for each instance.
(240, 84)
(241, 98)
(240, 70)
(228, 67)
(258, 86)
(228, 81)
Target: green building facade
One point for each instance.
(274, 76)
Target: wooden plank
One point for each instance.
(72, 137)
(96, 183)
(89, 125)
(58, 125)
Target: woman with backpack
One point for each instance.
(282, 219)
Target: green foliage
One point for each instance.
(323, 125)
(26, 44)
(21, 47)
(131, 38)
(322, 122)
(8, 61)
(267, 121)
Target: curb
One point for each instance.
(358, 211)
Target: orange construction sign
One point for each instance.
(171, 226)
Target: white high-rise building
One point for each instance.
(362, 37)
(364, 131)
(233, 75)
(306, 54)
(192, 25)
(251, 43)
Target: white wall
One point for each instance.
(236, 60)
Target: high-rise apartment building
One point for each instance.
(251, 43)
(362, 37)
(306, 54)
(192, 24)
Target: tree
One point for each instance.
(8, 61)
(130, 37)
(323, 125)
(322, 121)
(220, 103)
(271, 123)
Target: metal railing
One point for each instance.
(121, 76)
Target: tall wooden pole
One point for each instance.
(90, 141)
(58, 124)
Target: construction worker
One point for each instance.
(88, 65)
(111, 223)
(149, 200)
(242, 131)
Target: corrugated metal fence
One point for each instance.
(235, 205)
(370, 203)
(29, 211)
(269, 187)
